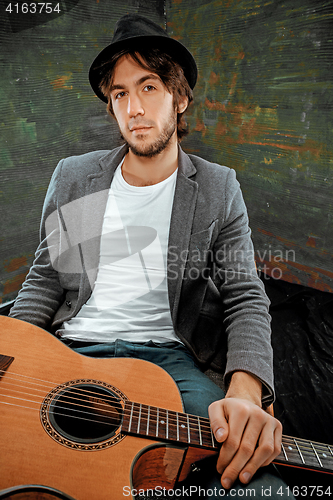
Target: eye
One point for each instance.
(149, 88)
(119, 95)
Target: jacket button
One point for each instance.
(68, 303)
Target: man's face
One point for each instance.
(143, 108)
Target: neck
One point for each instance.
(190, 430)
(143, 171)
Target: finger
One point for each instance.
(238, 421)
(277, 443)
(241, 450)
(269, 446)
(218, 421)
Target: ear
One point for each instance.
(183, 103)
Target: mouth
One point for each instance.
(139, 129)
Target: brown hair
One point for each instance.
(160, 63)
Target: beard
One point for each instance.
(149, 150)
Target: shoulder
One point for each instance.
(75, 169)
(213, 175)
(69, 180)
(201, 164)
(84, 164)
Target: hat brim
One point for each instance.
(175, 49)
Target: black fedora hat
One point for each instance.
(133, 31)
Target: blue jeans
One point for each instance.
(198, 392)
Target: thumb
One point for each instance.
(218, 422)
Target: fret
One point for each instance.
(177, 427)
(126, 417)
(194, 430)
(161, 426)
(139, 420)
(152, 422)
(131, 417)
(135, 419)
(199, 430)
(284, 452)
(183, 431)
(167, 425)
(172, 425)
(157, 417)
(310, 455)
(206, 436)
(188, 430)
(317, 457)
(213, 440)
(330, 450)
(299, 451)
(290, 451)
(325, 455)
(148, 415)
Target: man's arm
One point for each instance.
(250, 437)
(41, 292)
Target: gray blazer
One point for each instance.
(218, 305)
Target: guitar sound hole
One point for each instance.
(86, 413)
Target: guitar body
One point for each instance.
(36, 450)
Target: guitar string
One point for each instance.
(284, 438)
(106, 402)
(98, 409)
(105, 423)
(172, 413)
(91, 420)
(107, 413)
(59, 414)
(159, 437)
(82, 391)
(107, 398)
(305, 448)
(203, 421)
(78, 390)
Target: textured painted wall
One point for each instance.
(263, 105)
(48, 111)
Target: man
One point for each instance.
(145, 251)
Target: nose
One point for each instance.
(134, 106)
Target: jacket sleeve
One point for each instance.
(41, 293)
(246, 306)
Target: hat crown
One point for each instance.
(134, 25)
(135, 32)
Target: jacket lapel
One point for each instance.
(182, 215)
(93, 209)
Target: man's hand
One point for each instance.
(250, 437)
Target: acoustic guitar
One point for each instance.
(72, 426)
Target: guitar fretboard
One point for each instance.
(167, 425)
(306, 454)
(171, 426)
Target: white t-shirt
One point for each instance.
(130, 297)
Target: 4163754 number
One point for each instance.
(33, 8)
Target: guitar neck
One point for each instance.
(306, 454)
(190, 430)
